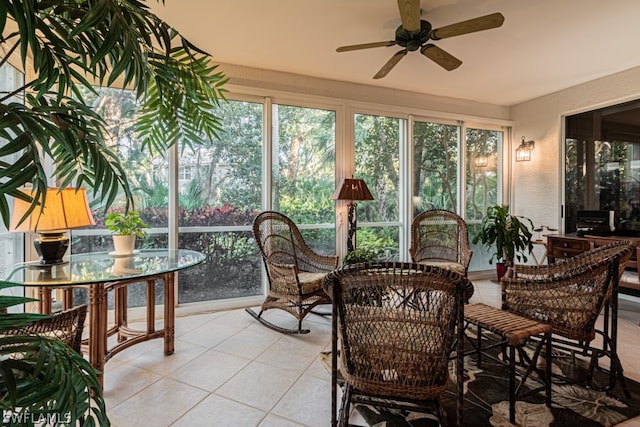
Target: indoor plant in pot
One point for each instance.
(509, 235)
(126, 227)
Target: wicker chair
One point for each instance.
(67, 326)
(440, 237)
(294, 271)
(570, 295)
(396, 326)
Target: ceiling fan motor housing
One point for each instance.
(414, 39)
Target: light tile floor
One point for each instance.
(229, 370)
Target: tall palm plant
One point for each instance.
(64, 48)
(68, 46)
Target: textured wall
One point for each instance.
(536, 186)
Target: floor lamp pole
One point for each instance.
(351, 218)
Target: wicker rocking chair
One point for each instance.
(440, 237)
(396, 326)
(570, 295)
(294, 271)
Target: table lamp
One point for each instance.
(63, 209)
(352, 190)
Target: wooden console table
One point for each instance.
(561, 246)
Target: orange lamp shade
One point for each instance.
(63, 209)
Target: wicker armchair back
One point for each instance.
(569, 295)
(441, 237)
(396, 324)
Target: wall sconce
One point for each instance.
(481, 162)
(352, 190)
(63, 209)
(523, 152)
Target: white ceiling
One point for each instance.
(543, 46)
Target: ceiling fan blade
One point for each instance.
(440, 57)
(410, 14)
(481, 23)
(365, 46)
(390, 64)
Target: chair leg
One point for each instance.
(334, 365)
(547, 369)
(320, 313)
(512, 384)
(345, 407)
(441, 413)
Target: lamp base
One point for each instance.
(51, 247)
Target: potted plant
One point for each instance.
(127, 227)
(359, 255)
(509, 235)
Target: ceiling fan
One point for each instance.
(414, 34)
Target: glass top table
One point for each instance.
(97, 267)
(102, 273)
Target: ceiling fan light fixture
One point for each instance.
(414, 34)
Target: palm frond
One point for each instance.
(41, 375)
(73, 45)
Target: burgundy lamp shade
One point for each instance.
(352, 189)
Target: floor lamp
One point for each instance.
(352, 190)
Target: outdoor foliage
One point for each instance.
(435, 164)
(377, 141)
(482, 182)
(304, 164)
(358, 255)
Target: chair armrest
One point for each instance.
(622, 249)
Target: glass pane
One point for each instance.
(481, 171)
(377, 161)
(11, 244)
(383, 240)
(602, 167)
(304, 142)
(147, 178)
(219, 188)
(435, 166)
(147, 175)
(220, 185)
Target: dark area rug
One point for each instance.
(486, 399)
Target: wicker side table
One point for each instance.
(514, 331)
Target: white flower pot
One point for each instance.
(123, 245)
